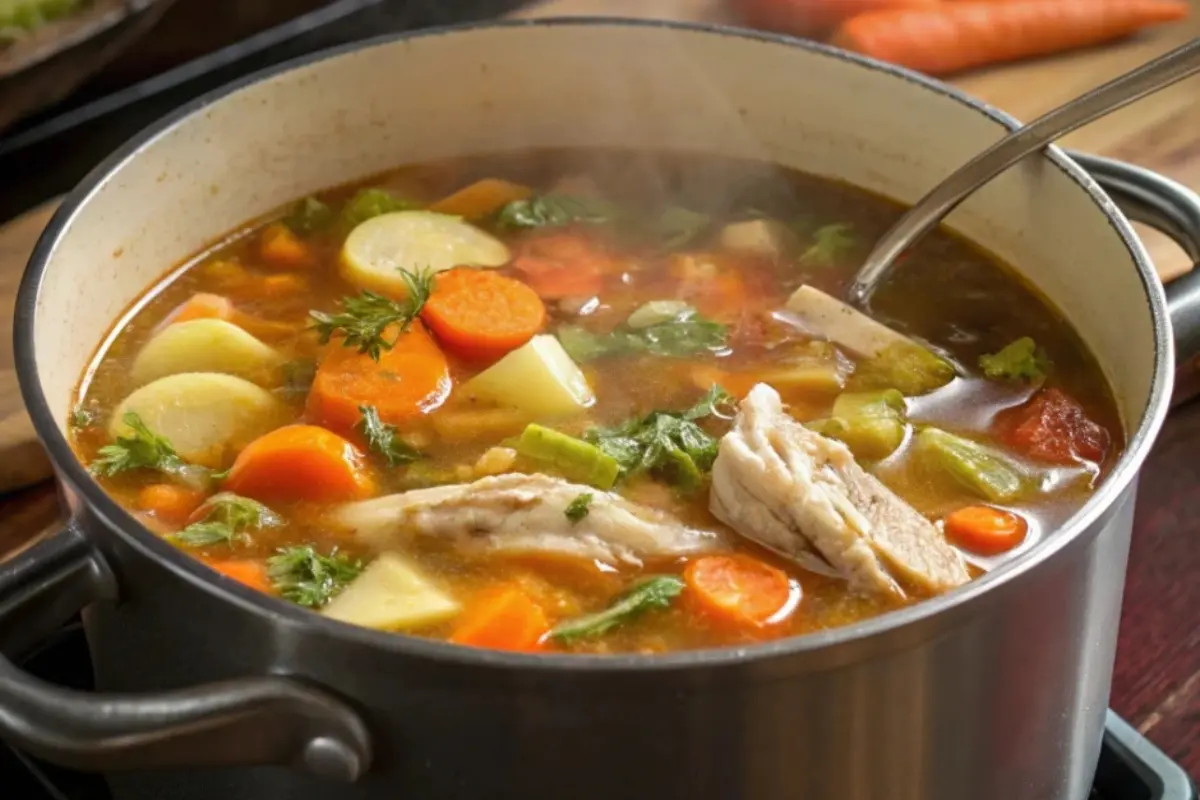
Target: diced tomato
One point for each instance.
(563, 264)
(1054, 427)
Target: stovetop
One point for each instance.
(1131, 768)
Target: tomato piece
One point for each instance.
(1054, 427)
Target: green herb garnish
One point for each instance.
(309, 579)
(656, 592)
(553, 210)
(368, 203)
(364, 318)
(84, 417)
(1021, 360)
(228, 519)
(308, 216)
(830, 243)
(142, 449)
(668, 444)
(578, 508)
(382, 438)
(686, 335)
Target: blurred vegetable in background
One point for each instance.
(940, 37)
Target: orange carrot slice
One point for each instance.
(279, 247)
(984, 529)
(957, 36)
(248, 571)
(481, 315)
(201, 306)
(481, 198)
(169, 503)
(300, 462)
(408, 381)
(737, 589)
(502, 618)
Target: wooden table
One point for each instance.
(1157, 679)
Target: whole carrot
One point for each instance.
(811, 17)
(961, 35)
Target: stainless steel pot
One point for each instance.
(992, 692)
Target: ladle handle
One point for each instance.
(934, 206)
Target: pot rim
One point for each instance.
(70, 468)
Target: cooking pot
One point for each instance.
(208, 689)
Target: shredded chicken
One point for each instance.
(804, 496)
(525, 513)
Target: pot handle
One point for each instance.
(244, 722)
(1172, 208)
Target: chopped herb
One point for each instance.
(365, 317)
(228, 518)
(1021, 360)
(668, 444)
(553, 210)
(297, 378)
(656, 592)
(143, 449)
(308, 216)
(307, 578)
(686, 335)
(84, 417)
(578, 508)
(382, 438)
(830, 243)
(368, 203)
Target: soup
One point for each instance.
(594, 402)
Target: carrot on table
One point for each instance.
(502, 618)
(248, 571)
(479, 314)
(300, 462)
(961, 35)
(984, 529)
(280, 247)
(808, 17)
(409, 380)
(738, 589)
(169, 502)
(481, 198)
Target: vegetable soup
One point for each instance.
(593, 402)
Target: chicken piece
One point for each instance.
(518, 513)
(804, 496)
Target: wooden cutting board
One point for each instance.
(1161, 132)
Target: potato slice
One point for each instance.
(376, 250)
(391, 595)
(759, 237)
(203, 345)
(538, 378)
(202, 413)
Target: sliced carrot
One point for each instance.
(233, 278)
(408, 381)
(956, 36)
(563, 264)
(737, 589)
(300, 462)
(984, 529)
(481, 198)
(279, 247)
(808, 17)
(168, 502)
(479, 314)
(201, 306)
(502, 618)
(248, 571)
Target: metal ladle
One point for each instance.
(930, 209)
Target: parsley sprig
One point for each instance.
(365, 318)
(141, 449)
(228, 519)
(307, 578)
(382, 438)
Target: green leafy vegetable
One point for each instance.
(578, 508)
(686, 335)
(830, 243)
(554, 210)
(908, 368)
(368, 203)
(84, 417)
(309, 579)
(228, 518)
(670, 445)
(980, 469)
(677, 227)
(575, 459)
(1021, 360)
(656, 592)
(382, 438)
(144, 449)
(364, 318)
(308, 216)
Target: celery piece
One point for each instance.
(975, 466)
(1020, 360)
(574, 458)
(907, 367)
(872, 424)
